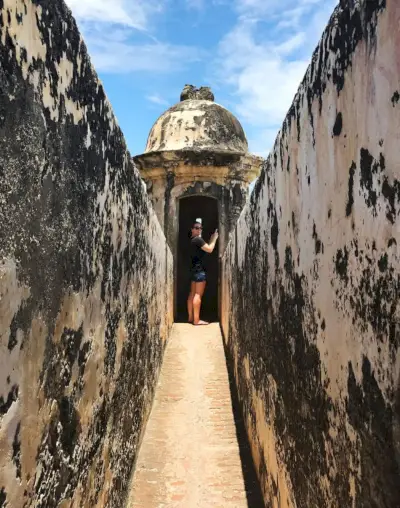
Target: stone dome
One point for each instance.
(198, 125)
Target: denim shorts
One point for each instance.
(198, 277)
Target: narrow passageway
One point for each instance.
(194, 452)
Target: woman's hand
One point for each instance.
(209, 247)
(214, 236)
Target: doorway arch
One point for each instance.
(191, 208)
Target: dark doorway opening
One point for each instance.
(190, 209)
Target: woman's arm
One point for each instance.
(209, 247)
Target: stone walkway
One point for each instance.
(190, 456)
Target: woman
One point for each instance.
(198, 249)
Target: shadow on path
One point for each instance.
(252, 485)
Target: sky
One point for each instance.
(252, 53)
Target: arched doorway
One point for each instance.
(191, 208)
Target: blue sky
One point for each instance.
(253, 54)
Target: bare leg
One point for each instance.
(199, 291)
(190, 301)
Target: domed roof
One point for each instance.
(197, 124)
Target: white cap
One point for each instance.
(199, 221)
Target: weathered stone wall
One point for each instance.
(311, 307)
(85, 274)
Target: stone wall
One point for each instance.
(311, 307)
(85, 274)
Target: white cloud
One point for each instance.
(288, 46)
(195, 4)
(255, 9)
(268, 8)
(263, 60)
(130, 13)
(267, 88)
(156, 99)
(117, 54)
(263, 81)
(119, 40)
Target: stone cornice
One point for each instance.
(202, 165)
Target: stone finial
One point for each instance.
(191, 92)
(205, 93)
(188, 92)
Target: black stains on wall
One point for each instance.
(383, 263)
(298, 127)
(395, 98)
(274, 228)
(317, 242)
(373, 299)
(5, 404)
(350, 199)
(372, 418)
(350, 29)
(379, 308)
(374, 182)
(69, 420)
(392, 195)
(341, 263)
(70, 343)
(113, 320)
(288, 260)
(16, 447)
(281, 328)
(294, 221)
(337, 128)
(68, 237)
(3, 495)
(12, 340)
(346, 38)
(59, 360)
(21, 321)
(368, 169)
(275, 330)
